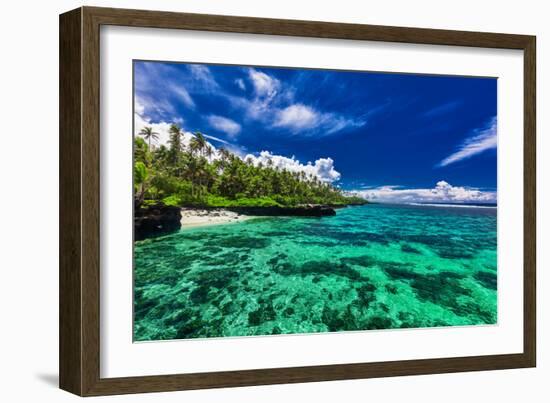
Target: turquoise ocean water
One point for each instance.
(369, 267)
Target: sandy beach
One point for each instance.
(191, 218)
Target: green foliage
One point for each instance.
(175, 143)
(220, 201)
(172, 200)
(141, 151)
(140, 173)
(147, 203)
(187, 176)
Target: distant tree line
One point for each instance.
(187, 175)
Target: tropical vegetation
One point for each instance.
(194, 174)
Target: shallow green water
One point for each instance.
(369, 267)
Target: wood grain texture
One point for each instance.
(530, 202)
(70, 230)
(80, 201)
(316, 29)
(90, 201)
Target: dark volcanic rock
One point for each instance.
(156, 220)
(301, 211)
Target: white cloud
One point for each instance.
(139, 108)
(162, 128)
(441, 193)
(264, 85)
(297, 117)
(225, 125)
(323, 168)
(483, 139)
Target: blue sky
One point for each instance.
(389, 136)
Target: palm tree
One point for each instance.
(225, 156)
(175, 142)
(140, 177)
(208, 151)
(198, 143)
(148, 134)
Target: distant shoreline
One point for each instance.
(459, 205)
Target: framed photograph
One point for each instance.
(250, 201)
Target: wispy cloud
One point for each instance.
(300, 118)
(240, 83)
(214, 138)
(157, 92)
(273, 103)
(442, 109)
(442, 192)
(484, 138)
(182, 93)
(203, 78)
(223, 124)
(160, 87)
(154, 106)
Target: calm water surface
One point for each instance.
(369, 267)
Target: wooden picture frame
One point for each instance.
(79, 346)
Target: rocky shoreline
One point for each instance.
(154, 220)
(159, 219)
(311, 210)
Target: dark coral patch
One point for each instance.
(316, 268)
(442, 289)
(379, 322)
(208, 282)
(390, 288)
(190, 329)
(487, 279)
(264, 313)
(365, 295)
(365, 261)
(288, 312)
(224, 259)
(142, 307)
(409, 249)
(444, 246)
(362, 237)
(243, 242)
(332, 320)
(401, 272)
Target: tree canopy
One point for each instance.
(188, 175)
